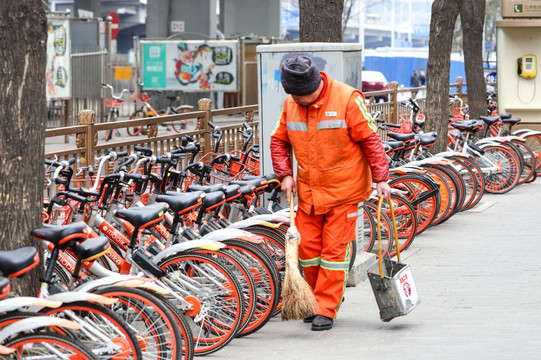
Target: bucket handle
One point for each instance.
(378, 226)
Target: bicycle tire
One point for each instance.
(40, 346)
(180, 125)
(447, 194)
(156, 329)
(534, 142)
(214, 325)
(479, 183)
(183, 326)
(456, 185)
(517, 154)
(528, 156)
(136, 130)
(387, 235)
(274, 246)
(406, 221)
(245, 278)
(267, 278)
(422, 193)
(117, 330)
(506, 176)
(465, 173)
(109, 133)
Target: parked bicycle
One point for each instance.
(114, 103)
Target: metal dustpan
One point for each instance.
(391, 280)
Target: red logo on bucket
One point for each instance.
(407, 289)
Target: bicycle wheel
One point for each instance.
(136, 130)
(502, 169)
(110, 119)
(45, 346)
(181, 125)
(368, 237)
(244, 277)
(103, 329)
(517, 154)
(479, 184)
(183, 326)
(406, 221)
(274, 246)
(156, 329)
(447, 194)
(423, 194)
(533, 140)
(267, 279)
(216, 296)
(387, 235)
(456, 185)
(528, 156)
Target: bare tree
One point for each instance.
(23, 112)
(320, 20)
(442, 25)
(472, 14)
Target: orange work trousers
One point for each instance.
(325, 252)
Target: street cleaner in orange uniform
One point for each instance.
(339, 156)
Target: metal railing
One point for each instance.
(90, 143)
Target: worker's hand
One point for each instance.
(288, 186)
(383, 189)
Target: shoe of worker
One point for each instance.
(321, 322)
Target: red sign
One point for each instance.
(115, 24)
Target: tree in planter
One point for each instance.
(442, 25)
(23, 26)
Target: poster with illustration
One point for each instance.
(57, 74)
(190, 65)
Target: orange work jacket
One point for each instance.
(326, 138)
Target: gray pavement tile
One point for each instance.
(478, 277)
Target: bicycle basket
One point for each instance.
(139, 98)
(406, 126)
(458, 114)
(249, 167)
(114, 103)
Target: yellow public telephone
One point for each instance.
(527, 66)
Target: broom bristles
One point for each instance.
(298, 300)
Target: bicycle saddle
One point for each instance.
(181, 203)
(61, 234)
(91, 249)
(142, 216)
(16, 262)
(490, 119)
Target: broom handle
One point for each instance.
(292, 209)
(378, 230)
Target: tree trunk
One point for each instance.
(472, 13)
(23, 112)
(442, 23)
(320, 20)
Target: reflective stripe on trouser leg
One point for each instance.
(327, 237)
(331, 283)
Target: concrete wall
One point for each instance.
(199, 18)
(246, 17)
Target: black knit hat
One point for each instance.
(300, 75)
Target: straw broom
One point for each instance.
(298, 300)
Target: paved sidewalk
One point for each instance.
(479, 280)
